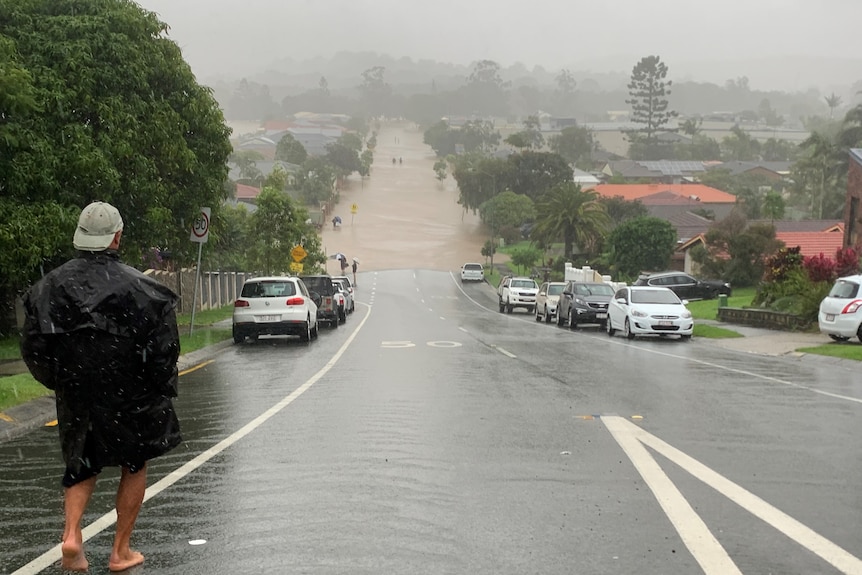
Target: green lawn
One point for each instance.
(17, 389)
(846, 350)
(708, 308)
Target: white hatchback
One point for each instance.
(643, 310)
(274, 306)
(472, 273)
(840, 315)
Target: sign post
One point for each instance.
(353, 209)
(200, 234)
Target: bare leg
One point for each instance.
(130, 496)
(76, 499)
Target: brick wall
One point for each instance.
(853, 205)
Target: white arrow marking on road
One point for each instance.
(697, 537)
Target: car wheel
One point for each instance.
(343, 316)
(838, 337)
(306, 334)
(573, 323)
(538, 316)
(547, 317)
(315, 331)
(502, 307)
(627, 330)
(333, 323)
(609, 327)
(559, 318)
(237, 337)
(859, 332)
(509, 307)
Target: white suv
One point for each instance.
(472, 273)
(840, 315)
(517, 292)
(274, 306)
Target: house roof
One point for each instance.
(655, 169)
(809, 243)
(813, 243)
(856, 154)
(244, 192)
(695, 192)
(688, 225)
(803, 225)
(737, 167)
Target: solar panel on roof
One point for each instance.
(672, 168)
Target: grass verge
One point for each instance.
(714, 332)
(845, 350)
(20, 388)
(708, 308)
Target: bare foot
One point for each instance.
(73, 557)
(126, 561)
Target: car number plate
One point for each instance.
(830, 317)
(665, 322)
(601, 316)
(268, 317)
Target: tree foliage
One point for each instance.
(97, 103)
(506, 209)
(641, 244)
(569, 214)
(574, 143)
(534, 173)
(648, 92)
(290, 150)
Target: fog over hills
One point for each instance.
(789, 45)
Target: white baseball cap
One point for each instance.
(96, 227)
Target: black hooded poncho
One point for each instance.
(104, 337)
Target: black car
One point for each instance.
(328, 308)
(685, 286)
(584, 302)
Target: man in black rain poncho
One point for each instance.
(104, 337)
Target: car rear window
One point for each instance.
(273, 288)
(844, 289)
(320, 284)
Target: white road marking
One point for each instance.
(396, 344)
(54, 554)
(504, 352)
(443, 318)
(689, 525)
(462, 329)
(443, 344)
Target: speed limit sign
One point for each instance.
(201, 226)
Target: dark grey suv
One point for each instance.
(327, 309)
(584, 302)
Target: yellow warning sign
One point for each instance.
(296, 267)
(354, 208)
(298, 253)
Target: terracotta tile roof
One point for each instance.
(803, 225)
(813, 243)
(630, 192)
(244, 192)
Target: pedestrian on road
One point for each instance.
(355, 267)
(104, 337)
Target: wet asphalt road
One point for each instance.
(432, 434)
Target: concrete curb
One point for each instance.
(20, 419)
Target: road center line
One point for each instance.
(504, 352)
(627, 433)
(53, 555)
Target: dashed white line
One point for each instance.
(504, 352)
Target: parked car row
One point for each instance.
(291, 305)
(640, 309)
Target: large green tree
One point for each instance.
(575, 144)
(290, 150)
(506, 209)
(277, 226)
(640, 244)
(534, 173)
(648, 92)
(98, 104)
(574, 216)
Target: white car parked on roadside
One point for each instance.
(274, 306)
(840, 315)
(643, 310)
(472, 273)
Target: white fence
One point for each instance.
(588, 274)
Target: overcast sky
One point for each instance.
(244, 36)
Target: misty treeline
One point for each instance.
(425, 91)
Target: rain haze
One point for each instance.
(789, 45)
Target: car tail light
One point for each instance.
(295, 301)
(852, 306)
(240, 303)
(327, 301)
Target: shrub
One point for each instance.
(820, 268)
(847, 262)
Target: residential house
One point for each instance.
(774, 171)
(664, 171)
(584, 179)
(852, 211)
(812, 237)
(664, 200)
(265, 167)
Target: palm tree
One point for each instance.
(833, 102)
(568, 212)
